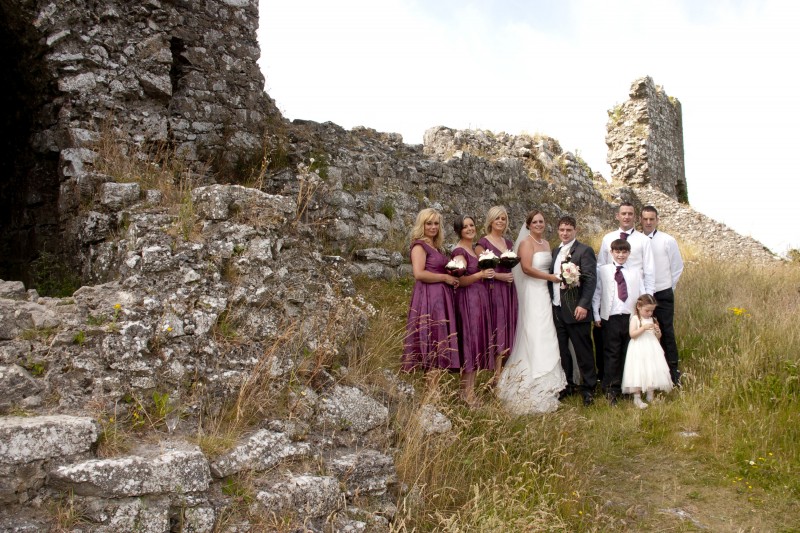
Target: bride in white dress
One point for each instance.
(532, 376)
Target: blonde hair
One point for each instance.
(492, 215)
(418, 231)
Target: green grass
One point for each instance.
(725, 448)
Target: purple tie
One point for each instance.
(623, 235)
(622, 287)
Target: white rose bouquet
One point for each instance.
(508, 259)
(487, 260)
(456, 267)
(570, 280)
(570, 276)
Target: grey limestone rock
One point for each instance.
(13, 290)
(431, 420)
(363, 472)
(347, 408)
(306, 496)
(180, 471)
(149, 515)
(16, 384)
(17, 316)
(115, 196)
(26, 439)
(261, 451)
(221, 202)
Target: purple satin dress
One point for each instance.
(473, 313)
(431, 338)
(503, 304)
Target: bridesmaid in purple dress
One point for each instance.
(472, 310)
(431, 340)
(502, 293)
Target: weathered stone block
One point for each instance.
(364, 472)
(221, 202)
(16, 384)
(347, 408)
(13, 290)
(26, 439)
(115, 196)
(306, 496)
(260, 452)
(175, 471)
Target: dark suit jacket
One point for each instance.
(582, 256)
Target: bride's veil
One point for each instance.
(520, 278)
(523, 232)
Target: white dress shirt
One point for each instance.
(605, 301)
(667, 259)
(641, 257)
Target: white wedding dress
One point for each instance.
(533, 377)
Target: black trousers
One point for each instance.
(665, 314)
(580, 335)
(597, 337)
(615, 345)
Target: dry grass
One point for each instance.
(721, 454)
(68, 515)
(155, 167)
(261, 395)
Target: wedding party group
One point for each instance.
(550, 323)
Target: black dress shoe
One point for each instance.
(565, 393)
(588, 399)
(613, 398)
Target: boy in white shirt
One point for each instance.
(618, 288)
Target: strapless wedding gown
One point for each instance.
(533, 377)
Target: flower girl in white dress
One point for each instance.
(646, 368)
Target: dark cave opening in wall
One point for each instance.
(29, 183)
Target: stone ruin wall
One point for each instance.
(176, 71)
(645, 141)
(185, 72)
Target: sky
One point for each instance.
(556, 67)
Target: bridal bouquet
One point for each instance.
(487, 260)
(508, 259)
(570, 275)
(456, 267)
(570, 280)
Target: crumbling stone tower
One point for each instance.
(645, 141)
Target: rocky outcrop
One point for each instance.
(189, 325)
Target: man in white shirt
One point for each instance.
(641, 257)
(668, 268)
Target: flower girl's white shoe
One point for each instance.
(637, 401)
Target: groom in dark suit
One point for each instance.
(572, 309)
